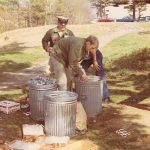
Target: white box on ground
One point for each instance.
(34, 129)
(9, 106)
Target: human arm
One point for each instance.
(46, 41)
(84, 77)
(95, 63)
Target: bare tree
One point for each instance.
(140, 8)
(100, 5)
(79, 11)
(136, 8)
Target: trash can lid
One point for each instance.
(61, 96)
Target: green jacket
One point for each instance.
(52, 36)
(70, 51)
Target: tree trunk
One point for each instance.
(134, 10)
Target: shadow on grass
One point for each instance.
(12, 48)
(137, 61)
(103, 131)
(136, 75)
(144, 32)
(142, 83)
(10, 65)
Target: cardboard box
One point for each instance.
(32, 132)
(9, 106)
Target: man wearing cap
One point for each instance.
(55, 34)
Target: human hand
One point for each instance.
(84, 77)
(49, 49)
(96, 66)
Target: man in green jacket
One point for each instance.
(55, 34)
(67, 53)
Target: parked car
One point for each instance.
(147, 18)
(144, 19)
(105, 20)
(125, 19)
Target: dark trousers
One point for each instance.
(88, 62)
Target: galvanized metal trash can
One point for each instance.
(60, 113)
(90, 94)
(38, 87)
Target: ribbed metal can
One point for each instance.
(90, 94)
(60, 113)
(36, 95)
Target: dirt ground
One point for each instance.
(118, 127)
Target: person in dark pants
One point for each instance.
(88, 61)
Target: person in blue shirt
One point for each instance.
(99, 70)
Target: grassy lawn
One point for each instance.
(11, 94)
(127, 65)
(14, 57)
(127, 44)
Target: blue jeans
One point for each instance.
(88, 62)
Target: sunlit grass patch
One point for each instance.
(146, 25)
(11, 61)
(116, 98)
(126, 45)
(10, 94)
(28, 55)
